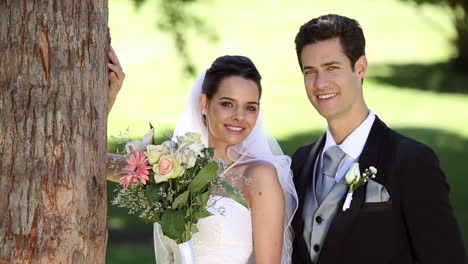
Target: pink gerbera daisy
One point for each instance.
(137, 169)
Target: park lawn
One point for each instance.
(129, 253)
(155, 89)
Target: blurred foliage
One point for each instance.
(441, 77)
(177, 18)
(459, 13)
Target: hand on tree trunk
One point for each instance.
(115, 164)
(116, 78)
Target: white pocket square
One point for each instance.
(376, 192)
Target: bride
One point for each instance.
(224, 107)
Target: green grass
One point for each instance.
(129, 253)
(409, 85)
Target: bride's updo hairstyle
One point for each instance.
(227, 66)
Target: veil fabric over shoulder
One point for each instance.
(260, 145)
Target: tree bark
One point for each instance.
(53, 118)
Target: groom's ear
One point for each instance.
(360, 67)
(203, 103)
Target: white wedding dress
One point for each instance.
(226, 236)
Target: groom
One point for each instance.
(403, 215)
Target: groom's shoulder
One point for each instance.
(303, 150)
(407, 146)
(300, 155)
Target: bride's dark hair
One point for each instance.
(227, 66)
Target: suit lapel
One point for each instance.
(307, 171)
(304, 180)
(332, 249)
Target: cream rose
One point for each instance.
(167, 168)
(154, 152)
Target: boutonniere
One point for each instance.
(355, 179)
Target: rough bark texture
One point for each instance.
(53, 117)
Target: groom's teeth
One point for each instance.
(326, 96)
(235, 128)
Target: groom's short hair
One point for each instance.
(331, 26)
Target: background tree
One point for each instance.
(53, 105)
(459, 12)
(177, 18)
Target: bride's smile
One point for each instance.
(234, 129)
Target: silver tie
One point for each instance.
(331, 160)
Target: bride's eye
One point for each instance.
(251, 108)
(226, 104)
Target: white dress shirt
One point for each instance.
(352, 145)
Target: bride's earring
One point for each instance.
(204, 117)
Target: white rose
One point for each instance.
(373, 169)
(189, 138)
(188, 154)
(196, 148)
(353, 173)
(171, 145)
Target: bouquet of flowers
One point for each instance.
(170, 184)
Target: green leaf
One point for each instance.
(202, 199)
(202, 213)
(173, 223)
(233, 194)
(204, 177)
(189, 212)
(211, 151)
(194, 228)
(192, 171)
(152, 193)
(151, 126)
(170, 198)
(181, 200)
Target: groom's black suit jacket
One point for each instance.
(417, 225)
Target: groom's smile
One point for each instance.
(326, 97)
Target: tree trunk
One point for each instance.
(53, 118)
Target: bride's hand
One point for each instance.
(116, 77)
(115, 164)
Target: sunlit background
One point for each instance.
(409, 86)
